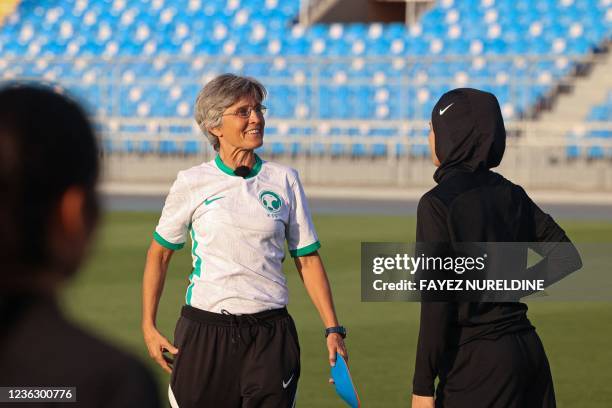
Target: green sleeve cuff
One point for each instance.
(306, 250)
(161, 241)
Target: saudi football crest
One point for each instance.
(270, 201)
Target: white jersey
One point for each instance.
(238, 227)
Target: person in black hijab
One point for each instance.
(49, 169)
(484, 354)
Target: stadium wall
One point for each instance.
(539, 163)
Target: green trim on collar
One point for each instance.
(227, 170)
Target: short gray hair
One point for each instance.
(219, 94)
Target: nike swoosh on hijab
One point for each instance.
(445, 109)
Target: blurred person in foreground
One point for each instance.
(485, 354)
(48, 213)
(235, 344)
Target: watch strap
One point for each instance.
(336, 329)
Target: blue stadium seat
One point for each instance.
(128, 146)
(168, 147)
(145, 147)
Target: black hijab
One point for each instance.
(469, 129)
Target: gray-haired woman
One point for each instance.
(235, 345)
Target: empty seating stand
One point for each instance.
(148, 58)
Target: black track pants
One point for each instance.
(235, 360)
(509, 372)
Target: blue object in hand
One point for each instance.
(344, 383)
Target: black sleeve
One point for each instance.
(436, 317)
(560, 256)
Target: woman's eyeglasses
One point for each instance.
(245, 112)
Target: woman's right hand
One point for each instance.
(157, 344)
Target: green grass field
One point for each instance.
(105, 297)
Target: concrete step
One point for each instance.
(312, 11)
(587, 92)
(7, 7)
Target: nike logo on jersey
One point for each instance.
(286, 384)
(444, 110)
(210, 200)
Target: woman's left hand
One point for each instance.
(335, 343)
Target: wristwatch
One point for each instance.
(336, 329)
